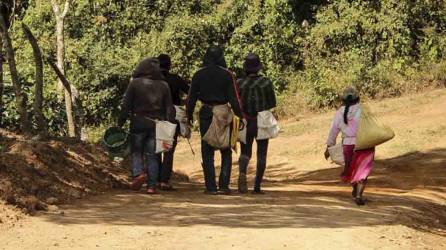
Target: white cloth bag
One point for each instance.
(337, 154)
(267, 125)
(165, 133)
(241, 136)
(219, 132)
(181, 117)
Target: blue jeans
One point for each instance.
(144, 159)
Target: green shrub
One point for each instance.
(311, 49)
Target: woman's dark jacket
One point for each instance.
(147, 97)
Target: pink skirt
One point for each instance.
(358, 164)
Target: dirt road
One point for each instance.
(306, 207)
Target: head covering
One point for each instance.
(214, 56)
(148, 68)
(165, 62)
(350, 94)
(252, 63)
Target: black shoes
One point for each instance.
(210, 192)
(224, 191)
(219, 192)
(257, 191)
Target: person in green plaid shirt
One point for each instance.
(257, 94)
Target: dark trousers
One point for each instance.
(246, 153)
(208, 157)
(167, 160)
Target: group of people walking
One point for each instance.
(154, 92)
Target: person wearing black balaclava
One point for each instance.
(213, 85)
(146, 99)
(178, 86)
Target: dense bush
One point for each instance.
(311, 49)
(375, 45)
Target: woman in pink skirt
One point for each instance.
(358, 164)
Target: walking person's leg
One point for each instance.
(354, 189)
(225, 173)
(152, 161)
(348, 151)
(208, 154)
(359, 191)
(167, 166)
(160, 168)
(262, 153)
(245, 156)
(138, 167)
(361, 168)
(363, 187)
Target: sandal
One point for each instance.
(151, 191)
(359, 201)
(166, 187)
(138, 181)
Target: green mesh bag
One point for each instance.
(116, 141)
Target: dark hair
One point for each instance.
(252, 64)
(214, 56)
(165, 61)
(148, 68)
(349, 101)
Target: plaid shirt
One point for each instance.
(257, 94)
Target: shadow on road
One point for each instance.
(406, 190)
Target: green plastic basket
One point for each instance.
(116, 141)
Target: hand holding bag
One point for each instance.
(337, 154)
(165, 133)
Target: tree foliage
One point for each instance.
(313, 47)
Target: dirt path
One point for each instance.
(306, 207)
(290, 216)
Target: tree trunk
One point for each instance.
(67, 91)
(60, 49)
(60, 76)
(38, 100)
(68, 99)
(20, 99)
(70, 114)
(2, 85)
(60, 18)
